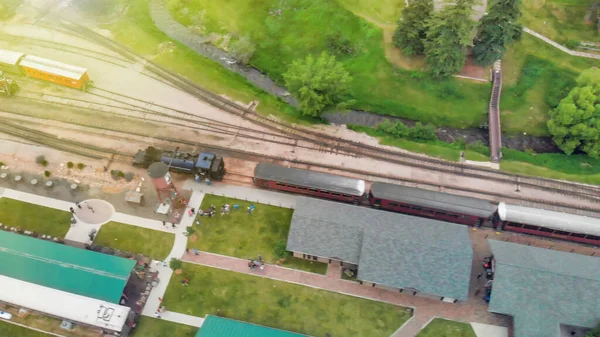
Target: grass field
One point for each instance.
(279, 304)
(535, 77)
(560, 20)
(381, 11)
(310, 26)
(35, 218)
(444, 328)
(133, 239)
(242, 235)
(152, 327)
(11, 330)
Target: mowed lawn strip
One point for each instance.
(244, 235)
(12, 330)
(134, 239)
(279, 304)
(439, 327)
(35, 218)
(152, 327)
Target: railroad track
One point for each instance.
(52, 141)
(336, 144)
(21, 40)
(100, 153)
(146, 114)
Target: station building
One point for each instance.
(548, 293)
(75, 285)
(391, 251)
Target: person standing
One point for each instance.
(72, 210)
(78, 205)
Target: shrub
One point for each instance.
(121, 174)
(41, 160)
(423, 132)
(175, 264)
(243, 50)
(81, 166)
(129, 176)
(572, 44)
(47, 174)
(70, 164)
(280, 251)
(190, 230)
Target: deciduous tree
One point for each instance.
(412, 27)
(242, 50)
(594, 333)
(575, 123)
(498, 28)
(318, 83)
(448, 36)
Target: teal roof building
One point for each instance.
(62, 267)
(214, 326)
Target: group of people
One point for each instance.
(258, 263)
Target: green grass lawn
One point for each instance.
(279, 304)
(152, 327)
(35, 218)
(11, 330)
(133, 239)
(381, 11)
(312, 26)
(444, 328)
(560, 20)
(242, 235)
(535, 77)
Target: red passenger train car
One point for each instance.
(317, 184)
(431, 204)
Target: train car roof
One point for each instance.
(10, 57)
(53, 67)
(433, 199)
(549, 219)
(311, 179)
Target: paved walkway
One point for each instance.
(559, 46)
(244, 193)
(474, 310)
(165, 273)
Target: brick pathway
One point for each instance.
(474, 310)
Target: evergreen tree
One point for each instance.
(498, 28)
(412, 27)
(448, 35)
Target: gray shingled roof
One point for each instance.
(542, 288)
(393, 249)
(433, 199)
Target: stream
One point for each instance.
(166, 23)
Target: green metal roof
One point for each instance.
(62, 267)
(214, 326)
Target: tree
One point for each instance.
(412, 27)
(317, 83)
(575, 123)
(448, 35)
(242, 50)
(498, 28)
